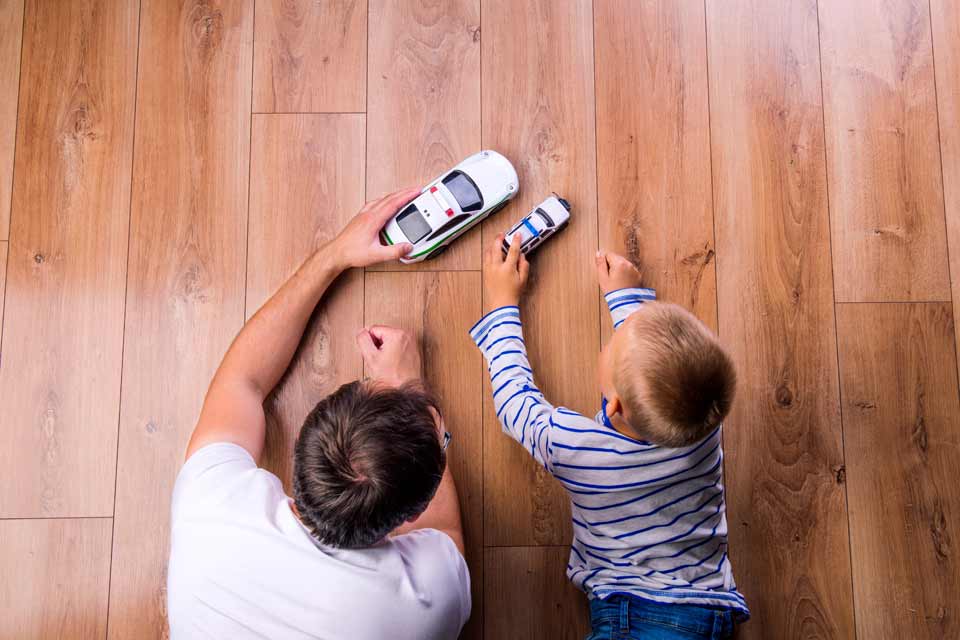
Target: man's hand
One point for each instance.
(504, 278)
(358, 244)
(616, 272)
(390, 355)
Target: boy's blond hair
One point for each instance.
(675, 380)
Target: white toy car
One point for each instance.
(453, 203)
(543, 221)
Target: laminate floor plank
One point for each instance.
(11, 31)
(440, 308)
(185, 299)
(423, 112)
(945, 22)
(901, 417)
(538, 109)
(883, 158)
(783, 439)
(528, 595)
(653, 148)
(63, 324)
(3, 287)
(56, 578)
(306, 176)
(310, 56)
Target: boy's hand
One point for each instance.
(504, 277)
(390, 355)
(616, 272)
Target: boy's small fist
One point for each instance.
(504, 277)
(616, 272)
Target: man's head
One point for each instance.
(368, 458)
(665, 372)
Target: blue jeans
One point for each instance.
(624, 617)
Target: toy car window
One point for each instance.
(413, 225)
(464, 190)
(450, 225)
(546, 218)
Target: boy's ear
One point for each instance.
(613, 405)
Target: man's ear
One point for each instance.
(613, 405)
(413, 519)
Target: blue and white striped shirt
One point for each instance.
(647, 520)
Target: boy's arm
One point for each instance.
(521, 408)
(623, 302)
(621, 283)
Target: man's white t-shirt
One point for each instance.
(243, 566)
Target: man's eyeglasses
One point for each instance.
(447, 437)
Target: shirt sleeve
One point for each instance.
(521, 408)
(436, 559)
(209, 476)
(623, 302)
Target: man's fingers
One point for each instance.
(397, 251)
(513, 256)
(366, 344)
(390, 204)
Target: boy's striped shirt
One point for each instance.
(647, 520)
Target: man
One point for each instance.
(371, 544)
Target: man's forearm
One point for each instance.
(263, 349)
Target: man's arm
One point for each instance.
(261, 352)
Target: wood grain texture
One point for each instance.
(310, 56)
(306, 176)
(186, 273)
(440, 308)
(883, 160)
(423, 112)
(784, 460)
(56, 578)
(538, 109)
(529, 596)
(901, 418)
(63, 326)
(945, 21)
(653, 148)
(11, 30)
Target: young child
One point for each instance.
(645, 476)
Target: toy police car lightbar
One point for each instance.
(453, 203)
(543, 221)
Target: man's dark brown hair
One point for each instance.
(368, 458)
(676, 382)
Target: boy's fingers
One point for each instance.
(601, 261)
(524, 268)
(513, 256)
(494, 250)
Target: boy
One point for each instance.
(645, 475)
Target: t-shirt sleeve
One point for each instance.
(209, 477)
(437, 559)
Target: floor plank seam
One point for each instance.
(123, 338)
(836, 336)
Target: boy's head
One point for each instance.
(368, 459)
(667, 376)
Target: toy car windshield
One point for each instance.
(413, 225)
(464, 190)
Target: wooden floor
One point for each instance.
(789, 170)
